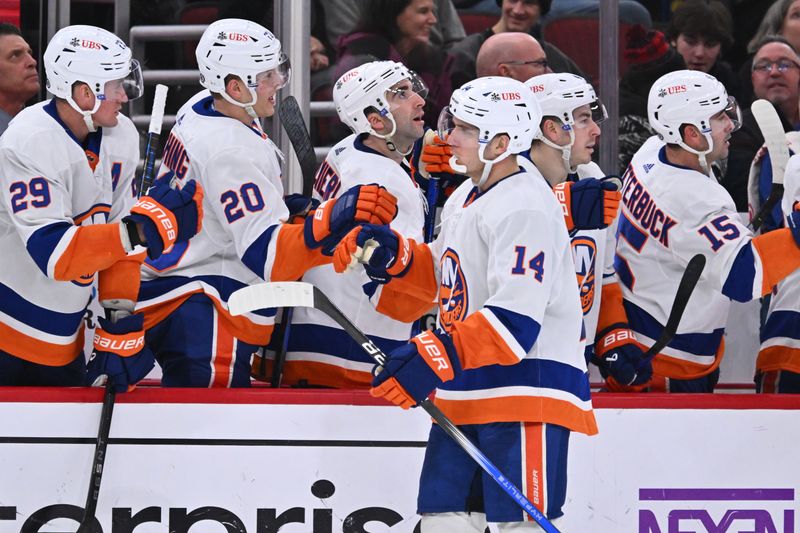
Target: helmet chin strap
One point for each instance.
(87, 115)
(247, 106)
(566, 150)
(487, 165)
(388, 138)
(701, 156)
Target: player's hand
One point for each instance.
(619, 357)
(589, 203)
(168, 215)
(383, 252)
(299, 205)
(362, 204)
(793, 223)
(416, 369)
(436, 154)
(119, 353)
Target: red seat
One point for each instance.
(196, 13)
(579, 38)
(477, 22)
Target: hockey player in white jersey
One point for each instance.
(69, 215)
(562, 152)
(673, 209)
(509, 367)
(218, 141)
(778, 363)
(382, 102)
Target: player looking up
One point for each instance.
(382, 102)
(672, 210)
(218, 141)
(562, 152)
(509, 366)
(69, 212)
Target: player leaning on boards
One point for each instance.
(562, 152)
(382, 102)
(672, 210)
(508, 362)
(69, 211)
(218, 141)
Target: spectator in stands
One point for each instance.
(517, 16)
(19, 80)
(512, 55)
(629, 11)
(775, 77)
(343, 17)
(701, 30)
(782, 18)
(400, 30)
(649, 56)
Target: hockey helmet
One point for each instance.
(92, 56)
(237, 47)
(364, 89)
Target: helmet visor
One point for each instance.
(402, 90)
(132, 84)
(733, 112)
(445, 124)
(279, 75)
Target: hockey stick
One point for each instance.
(685, 288)
(110, 394)
(300, 294)
(775, 139)
(295, 127)
(153, 134)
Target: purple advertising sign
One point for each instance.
(717, 510)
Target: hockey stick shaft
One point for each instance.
(775, 140)
(270, 295)
(295, 127)
(685, 288)
(110, 394)
(153, 135)
(432, 196)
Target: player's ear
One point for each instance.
(375, 121)
(234, 87)
(551, 129)
(82, 95)
(499, 145)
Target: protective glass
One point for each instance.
(132, 84)
(445, 124)
(402, 90)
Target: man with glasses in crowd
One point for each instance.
(512, 55)
(776, 78)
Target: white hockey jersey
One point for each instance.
(239, 168)
(51, 186)
(593, 253)
(780, 336)
(669, 214)
(507, 293)
(319, 351)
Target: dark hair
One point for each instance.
(9, 29)
(702, 18)
(768, 39)
(380, 17)
(544, 6)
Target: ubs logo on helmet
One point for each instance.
(238, 37)
(584, 253)
(453, 297)
(537, 88)
(673, 89)
(85, 43)
(496, 97)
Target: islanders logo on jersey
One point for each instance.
(453, 297)
(584, 253)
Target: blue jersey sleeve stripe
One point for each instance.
(255, 257)
(43, 241)
(694, 343)
(739, 285)
(538, 373)
(39, 318)
(524, 329)
(782, 324)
